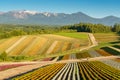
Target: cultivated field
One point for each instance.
(73, 71)
(40, 44)
(107, 37)
(79, 62)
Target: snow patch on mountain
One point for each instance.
(23, 13)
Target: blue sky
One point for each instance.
(94, 8)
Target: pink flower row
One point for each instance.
(4, 67)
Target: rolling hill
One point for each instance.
(45, 44)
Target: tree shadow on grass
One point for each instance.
(115, 42)
(118, 35)
(116, 46)
(111, 51)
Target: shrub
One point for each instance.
(3, 56)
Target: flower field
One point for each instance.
(65, 57)
(73, 71)
(69, 64)
(111, 63)
(47, 72)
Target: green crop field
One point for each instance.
(107, 37)
(74, 35)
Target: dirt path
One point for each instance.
(88, 59)
(92, 40)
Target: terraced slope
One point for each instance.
(34, 47)
(5, 44)
(21, 46)
(37, 45)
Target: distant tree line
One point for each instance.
(116, 28)
(93, 28)
(8, 30)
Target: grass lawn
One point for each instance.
(74, 35)
(105, 34)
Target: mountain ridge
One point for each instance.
(47, 18)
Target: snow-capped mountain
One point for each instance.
(34, 17)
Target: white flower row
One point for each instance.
(111, 63)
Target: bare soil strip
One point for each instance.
(52, 47)
(14, 45)
(35, 46)
(25, 51)
(20, 47)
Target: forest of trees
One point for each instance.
(8, 30)
(116, 28)
(93, 28)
